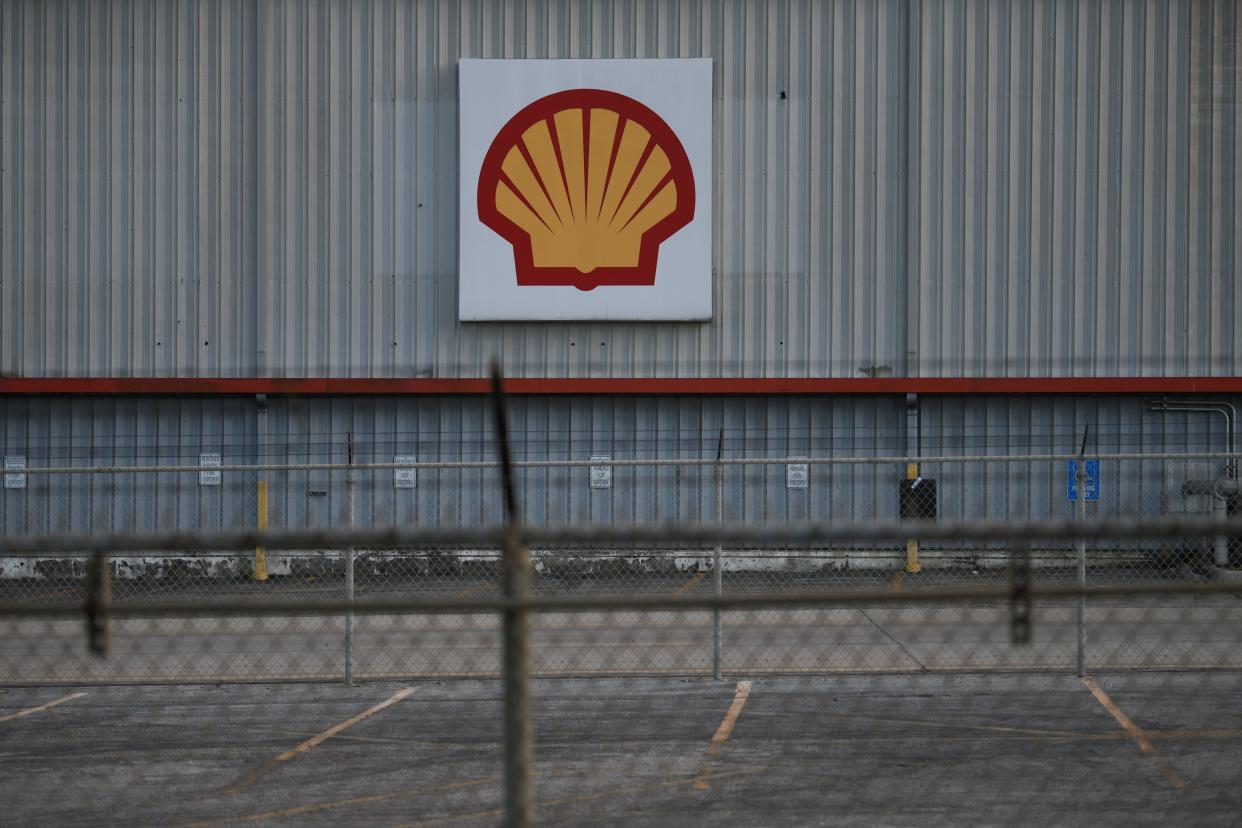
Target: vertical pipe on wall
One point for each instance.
(1081, 475)
(349, 565)
(260, 553)
(717, 578)
(913, 443)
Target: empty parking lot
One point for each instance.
(1155, 748)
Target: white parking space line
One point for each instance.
(703, 782)
(1134, 732)
(275, 762)
(32, 710)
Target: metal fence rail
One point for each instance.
(706, 566)
(708, 599)
(710, 576)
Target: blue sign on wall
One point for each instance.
(1092, 470)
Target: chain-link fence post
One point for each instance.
(717, 577)
(515, 565)
(349, 565)
(1081, 506)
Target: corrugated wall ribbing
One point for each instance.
(127, 237)
(1078, 171)
(936, 188)
(359, 150)
(138, 431)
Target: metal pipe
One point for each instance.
(1082, 569)
(603, 603)
(717, 576)
(1218, 489)
(1225, 409)
(627, 463)
(349, 566)
(913, 446)
(811, 533)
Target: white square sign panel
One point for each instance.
(405, 478)
(601, 476)
(206, 477)
(585, 189)
(14, 465)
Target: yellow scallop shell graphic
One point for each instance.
(586, 184)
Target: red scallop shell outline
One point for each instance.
(586, 99)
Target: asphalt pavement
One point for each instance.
(917, 749)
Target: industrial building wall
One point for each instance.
(216, 189)
(155, 431)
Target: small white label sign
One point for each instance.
(797, 475)
(404, 478)
(601, 476)
(11, 480)
(209, 478)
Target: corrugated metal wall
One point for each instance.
(931, 188)
(60, 431)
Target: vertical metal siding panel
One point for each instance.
(310, 206)
(1154, 279)
(929, 186)
(1176, 94)
(1077, 188)
(1031, 355)
(402, 213)
(1227, 160)
(1234, 131)
(1199, 174)
(11, 109)
(990, 331)
(1136, 236)
(1061, 273)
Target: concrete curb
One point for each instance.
(1229, 576)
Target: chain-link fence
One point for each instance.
(925, 493)
(773, 608)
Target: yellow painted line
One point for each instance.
(474, 590)
(691, 584)
(1134, 731)
(897, 579)
(32, 710)
(317, 807)
(548, 804)
(703, 782)
(275, 762)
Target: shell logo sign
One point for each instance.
(586, 184)
(584, 189)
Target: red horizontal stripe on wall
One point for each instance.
(637, 385)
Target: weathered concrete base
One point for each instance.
(582, 563)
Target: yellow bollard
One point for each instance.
(912, 544)
(260, 554)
